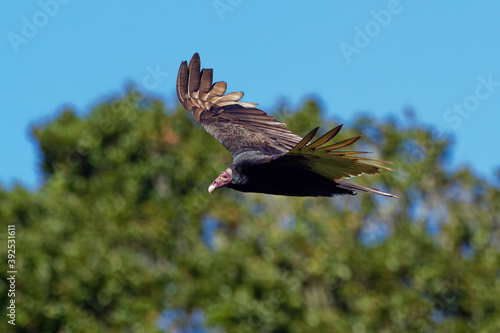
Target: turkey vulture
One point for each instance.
(267, 158)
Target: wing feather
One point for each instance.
(217, 91)
(305, 140)
(231, 97)
(325, 138)
(239, 126)
(194, 77)
(206, 81)
(182, 81)
(340, 144)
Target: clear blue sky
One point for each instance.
(370, 56)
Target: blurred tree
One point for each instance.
(123, 236)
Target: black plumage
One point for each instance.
(268, 158)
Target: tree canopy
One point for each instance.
(122, 236)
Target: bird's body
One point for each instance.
(268, 158)
(261, 178)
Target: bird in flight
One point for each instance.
(268, 158)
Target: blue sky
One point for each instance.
(440, 58)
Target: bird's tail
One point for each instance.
(354, 187)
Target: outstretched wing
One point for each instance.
(239, 126)
(323, 157)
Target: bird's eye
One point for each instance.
(224, 177)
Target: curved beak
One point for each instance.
(211, 188)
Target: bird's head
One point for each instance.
(223, 180)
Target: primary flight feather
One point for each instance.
(268, 158)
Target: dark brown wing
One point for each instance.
(239, 126)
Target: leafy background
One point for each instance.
(123, 236)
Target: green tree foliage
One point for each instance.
(123, 233)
